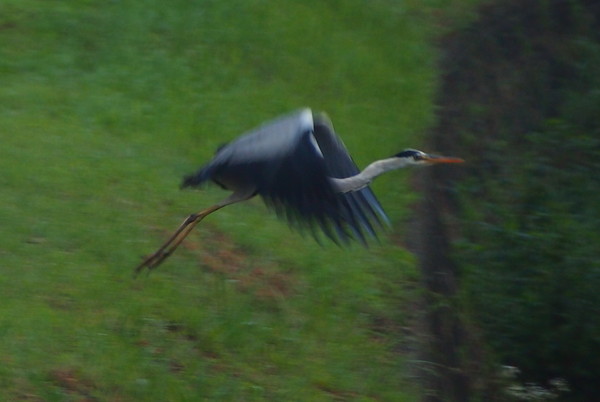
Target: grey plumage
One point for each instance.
(302, 170)
(289, 163)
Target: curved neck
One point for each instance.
(362, 179)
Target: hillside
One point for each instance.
(104, 106)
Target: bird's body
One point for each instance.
(302, 170)
(289, 162)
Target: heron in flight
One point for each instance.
(302, 170)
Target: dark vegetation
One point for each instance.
(520, 100)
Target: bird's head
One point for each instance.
(415, 157)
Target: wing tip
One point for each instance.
(306, 119)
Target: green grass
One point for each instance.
(104, 105)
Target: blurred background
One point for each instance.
(483, 288)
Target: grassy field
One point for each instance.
(104, 105)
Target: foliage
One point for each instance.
(529, 208)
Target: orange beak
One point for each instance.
(442, 159)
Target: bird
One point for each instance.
(303, 171)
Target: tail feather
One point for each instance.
(196, 179)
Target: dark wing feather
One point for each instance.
(362, 205)
(297, 187)
(281, 162)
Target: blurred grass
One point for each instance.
(104, 105)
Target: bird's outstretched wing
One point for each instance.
(256, 154)
(361, 207)
(288, 162)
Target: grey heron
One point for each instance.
(302, 170)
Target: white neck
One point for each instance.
(361, 180)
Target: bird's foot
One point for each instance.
(152, 261)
